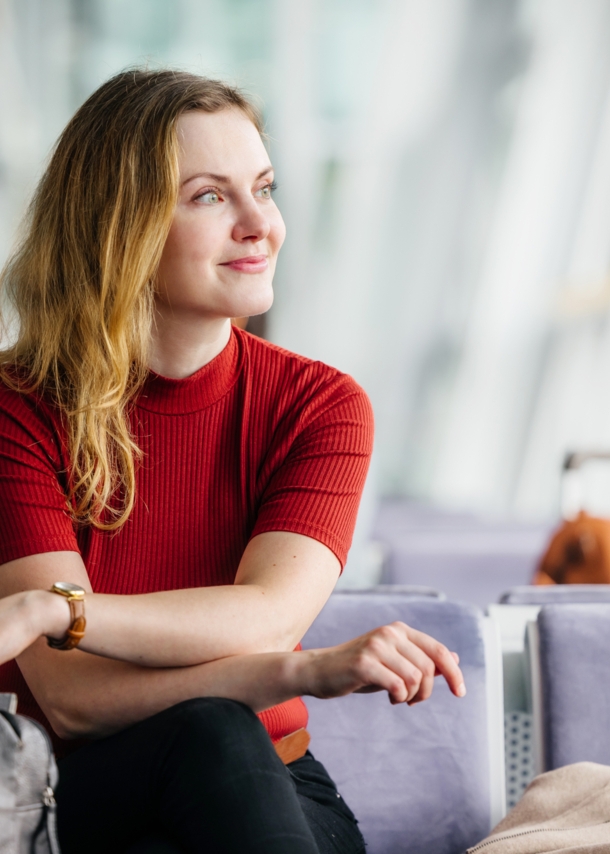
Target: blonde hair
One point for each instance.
(81, 281)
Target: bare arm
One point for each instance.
(89, 695)
(282, 583)
(394, 658)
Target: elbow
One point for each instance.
(288, 639)
(64, 731)
(70, 719)
(69, 724)
(75, 695)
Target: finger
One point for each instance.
(414, 646)
(415, 669)
(394, 649)
(382, 647)
(405, 658)
(457, 661)
(444, 661)
(394, 638)
(425, 668)
(380, 677)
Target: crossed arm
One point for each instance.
(157, 649)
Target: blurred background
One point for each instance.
(444, 173)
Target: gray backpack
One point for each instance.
(28, 774)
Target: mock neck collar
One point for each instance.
(191, 394)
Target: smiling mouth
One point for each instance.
(248, 264)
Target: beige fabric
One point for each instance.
(567, 810)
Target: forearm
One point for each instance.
(185, 627)
(93, 697)
(282, 583)
(174, 629)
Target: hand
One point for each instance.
(394, 658)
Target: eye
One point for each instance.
(267, 191)
(208, 197)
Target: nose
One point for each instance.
(251, 223)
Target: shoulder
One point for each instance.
(295, 374)
(27, 420)
(26, 407)
(287, 387)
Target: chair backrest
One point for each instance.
(570, 664)
(555, 594)
(471, 559)
(525, 730)
(418, 778)
(417, 590)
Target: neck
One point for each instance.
(181, 347)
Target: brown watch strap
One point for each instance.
(76, 632)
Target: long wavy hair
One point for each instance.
(81, 282)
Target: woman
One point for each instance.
(148, 448)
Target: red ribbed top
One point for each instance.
(258, 440)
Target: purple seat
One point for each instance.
(555, 594)
(417, 590)
(466, 557)
(573, 644)
(418, 778)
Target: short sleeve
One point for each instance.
(34, 517)
(317, 488)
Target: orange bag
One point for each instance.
(579, 550)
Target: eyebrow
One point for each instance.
(223, 179)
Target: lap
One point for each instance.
(113, 793)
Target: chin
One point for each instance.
(253, 306)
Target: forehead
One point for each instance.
(225, 143)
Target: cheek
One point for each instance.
(187, 244)
(278, 230)
(172, 251)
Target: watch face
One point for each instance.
(68, 589)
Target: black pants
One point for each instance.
(199, 778)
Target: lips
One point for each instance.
(248, 264)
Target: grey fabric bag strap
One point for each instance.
(28, 775)
(565, 810)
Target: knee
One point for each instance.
(227, 712)
(219, 727)
(213, 713)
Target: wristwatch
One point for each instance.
(76, 599)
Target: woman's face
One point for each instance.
(220, 254)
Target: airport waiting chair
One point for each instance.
(417, 590)
(471, 559)
(427, 778)
(517, 609)
(570, 676)
(556, 594)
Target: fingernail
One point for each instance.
(461, 691)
